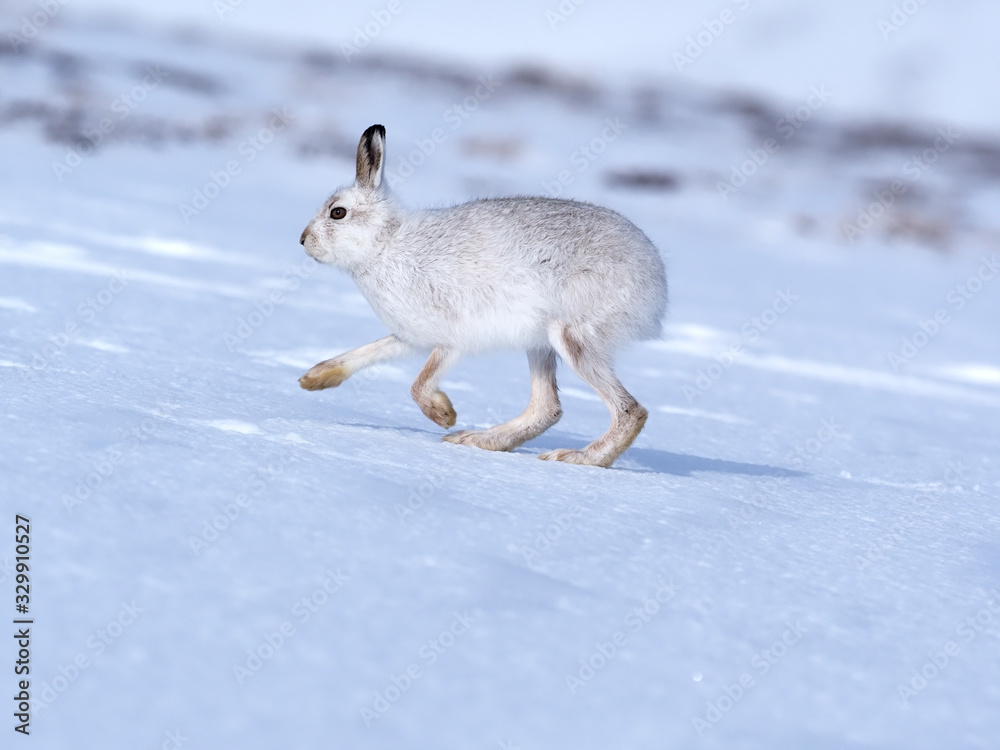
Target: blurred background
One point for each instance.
(881, 66)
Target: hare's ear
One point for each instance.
(371, 153)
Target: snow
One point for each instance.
(220, 559)
(887, 58)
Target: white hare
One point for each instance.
(544, 275)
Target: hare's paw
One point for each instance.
(439, 410)
(488, 440)
(327, 374)
(582, 457)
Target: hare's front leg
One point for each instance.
(543, 410)
(333, 372)
(435, 405)
(594, 367)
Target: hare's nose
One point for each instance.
(302, 238)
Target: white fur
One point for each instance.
(531, 273)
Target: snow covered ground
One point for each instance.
(891, 58)
(801, 549)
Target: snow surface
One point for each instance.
(221, 559)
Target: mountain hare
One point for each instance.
(544, 275)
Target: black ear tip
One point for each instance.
(373, 130)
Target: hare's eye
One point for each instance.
(338, 213)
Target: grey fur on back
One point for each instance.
(540, 274)
(495, 272)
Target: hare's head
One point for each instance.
(354, 219)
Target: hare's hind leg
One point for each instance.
(543, 410)
(627, 415)
(435, 405)
(333, 372)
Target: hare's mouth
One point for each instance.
(306, 240)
